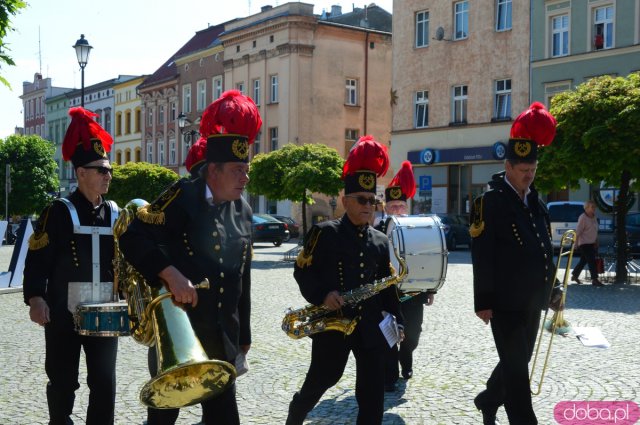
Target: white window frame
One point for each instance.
(256, 91)
(216, 83)
(504, 14)
(150, 117)
(186, 98)
(608, 24)
(160, 114)
(161, 152)
(150, 152)
(421, 109)
(461, 20)
(201, 90)
(274, 89)
(459, 103)
(351, 92)
(273, 138)
(422, 29)
(240, 87)
(172, 152)
(502, 103)
(560, 33)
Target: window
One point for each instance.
(603, 28)
(256, 91)
(150, 152)
(118, 124)
(461, 21)
(273, 138)
(119, 157)
(202, 95)
(127, 122)
(256, 144)
(172, 152)
(173, 111)
(503, 15)
(107, 120)
(421, 118)
(422, 29)
(460, 104)
(560, 35)
(161, 114)
(351, 92)
(186, 98)
(502, 108)
(351, 135)
(217, 87)
(273, 95)
(138, 120)
(160, 152)
(240, 87)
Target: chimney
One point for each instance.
(336, 10)
(265, 8)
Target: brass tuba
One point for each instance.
(312, 319)
(186, 376)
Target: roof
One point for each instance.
(372, 17)
(201, 40)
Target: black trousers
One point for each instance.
(220, 410)
(587, 256)
(62, 361)
(329, 354)
(413, 312)
(514, 333)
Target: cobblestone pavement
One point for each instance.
(455, 356)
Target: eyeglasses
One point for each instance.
(363, 200)
(100, 169)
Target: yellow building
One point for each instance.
(127, 133)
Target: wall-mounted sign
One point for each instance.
(429, 156)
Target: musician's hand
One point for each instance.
(430, 298)
(485, 315)
(333, 300)
(401, 335)
(555, 303)
(39, 311)
(182, 289)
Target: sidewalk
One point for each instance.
(455, 357)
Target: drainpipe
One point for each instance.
(366, 80)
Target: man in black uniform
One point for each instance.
(513, 266)
(338, 256)
(201, 228)
(401, 188)
(62, 268)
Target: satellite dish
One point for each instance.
(439, 33)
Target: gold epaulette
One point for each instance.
(40, 238)
(305, 258)
(477, 225)
(154, 213)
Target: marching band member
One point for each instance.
(400, 189)
(60, 267)
(513, 266)
(340, 255)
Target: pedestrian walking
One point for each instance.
(587, 243)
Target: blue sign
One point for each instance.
(425, 182)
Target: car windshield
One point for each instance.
(262, 218)
(565, 212)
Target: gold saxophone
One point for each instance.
(313, 319)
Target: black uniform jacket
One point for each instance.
(202, 241)
(512, 256)
(338, 256)
(57, 256)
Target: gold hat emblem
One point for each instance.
(395, 193)
(240, 148)
(97, 146)
(367, 181)
(523, 148)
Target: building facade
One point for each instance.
(57, 121)
(34, 95)
(128, 122)
(460, 75)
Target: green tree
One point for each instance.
(7, 8)
(295, 172)
(34, 179)
(139, 180)
(597, 140)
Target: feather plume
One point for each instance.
(196, 153)
(367, 154)
(232, 113)
(536, 123)
(82, 129)
(404, 178)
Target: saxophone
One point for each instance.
(313, 319)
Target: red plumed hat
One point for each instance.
(403, 184)
(532, 128)
(196, 157)
(367, 159)
(85, 140)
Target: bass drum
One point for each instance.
(420, 241)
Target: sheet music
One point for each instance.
(389, 328)
(591, 337)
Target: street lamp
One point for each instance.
(333, 204)
(187, 135)
(83, 48)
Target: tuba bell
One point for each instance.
(186, 375)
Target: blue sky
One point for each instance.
(129, 37)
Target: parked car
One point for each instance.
(293, 226)
(456, 230)
(563, 216)
(633, 231)
(268, 229)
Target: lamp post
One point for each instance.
(83, 48)
(187, 135)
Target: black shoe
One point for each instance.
(576, 280)
(596, 282)
(407, 374)
(390, 388)
(488, 415)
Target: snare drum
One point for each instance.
(106, 319)
(420, 241)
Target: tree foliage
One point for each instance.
(295, 172)
(597, 140)
(7, 8)
(34, 177)
(139, 180)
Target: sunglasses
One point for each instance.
(100, 169)
(363, 200)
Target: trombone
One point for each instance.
(557, 324)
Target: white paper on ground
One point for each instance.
(591, 337)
